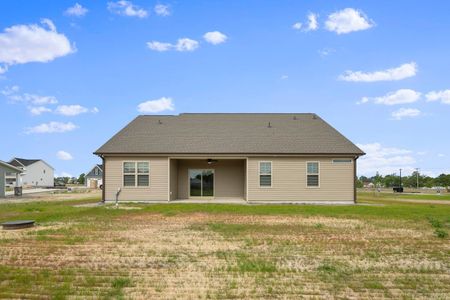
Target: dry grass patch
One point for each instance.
(97, 252)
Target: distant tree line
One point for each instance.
(410, 181)
(71, 180)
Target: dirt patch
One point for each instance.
(202, 255)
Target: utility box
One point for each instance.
(17, 191)
(397, 189)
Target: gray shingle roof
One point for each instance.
(18, 162)
(229, 134)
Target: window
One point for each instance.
(136, 174)
(312, 176)
(342, 161)
(265, 174)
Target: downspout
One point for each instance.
(355, 179)
(103, 178)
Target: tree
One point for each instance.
(81, 178)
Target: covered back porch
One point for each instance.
(207, 178)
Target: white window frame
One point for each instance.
(342, 162)
(259, 174)
(318, 175)
(136, 173)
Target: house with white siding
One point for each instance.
(277, 158)
(35, 172)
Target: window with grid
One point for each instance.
(136, 174)
(265, 174)
(312, 176)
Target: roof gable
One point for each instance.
(91, 173)
(23, 162)
(229, 134)
(10, 167)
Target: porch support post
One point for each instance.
(246, 180)
(355, 180)
(103, 179)
(168, 179)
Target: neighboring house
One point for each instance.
(94, 179)
(36, 172)
(254, 157)
(6, 168)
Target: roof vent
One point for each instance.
(269, 125)
(159, 122)
(295, 118)
(314, 116)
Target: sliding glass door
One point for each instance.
(201, 183)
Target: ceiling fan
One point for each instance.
(211, 161)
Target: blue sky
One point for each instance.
(74, 73)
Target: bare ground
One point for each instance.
(198, 255)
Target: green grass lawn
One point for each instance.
(394, 196)
(394, 250)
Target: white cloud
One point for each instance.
(284, 77)
(10, 90)
(401, 96)
(363, 100)
(52, 127)
(159, 46)
(441, 155)
(405, 113)
(401, 72)
(182, 45)
(443, 96)
(162, 10)
(297, 26)
(39, 100)
(348, 20)
(74, 110)
(385, 160)
(127, 8)
(215, 37)
(326, 51)
(154, 106)
(38, 110)
(63, 155)
(71, 110)
(22, 44)
(3, 69)
(12, 93)
(312, 22)
(77, 10)
(186, 44)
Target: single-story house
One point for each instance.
(94, 178)
(36, 172)
(257, 157)
(6, 168)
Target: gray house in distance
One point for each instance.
(94, 178)
(290, 158)
(35, 172)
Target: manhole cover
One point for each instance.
(19, 224)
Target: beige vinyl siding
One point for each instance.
(336, 180)
(158, 189)
(229, 177)
(173, 179)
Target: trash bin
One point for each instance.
(17, 191)
(398, 189)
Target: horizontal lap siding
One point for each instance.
(289, 180)
(158, 189)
